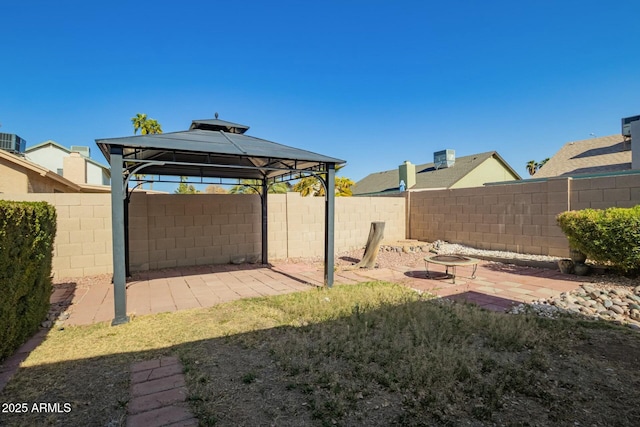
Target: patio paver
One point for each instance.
(158, 394)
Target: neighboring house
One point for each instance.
(74, 164)
(19, 175)
(446, 171)
(590, 156)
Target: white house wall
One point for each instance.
(49, 157)
(96, 175)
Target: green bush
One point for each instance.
(27, 230)
(611, 235)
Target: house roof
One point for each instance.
(427, 176)
(66, 150)
(595, 155)
(46, 173)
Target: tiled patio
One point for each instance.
(496, 286)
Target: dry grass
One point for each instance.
(368, 354)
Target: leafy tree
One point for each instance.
(214, 189)
(246, 186)
(184, 188)
(311, 186)
(343, 186)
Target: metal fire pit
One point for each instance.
(451, 261)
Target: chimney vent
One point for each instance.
(84, 151)
(407, 174)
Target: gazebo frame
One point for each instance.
(209, 149)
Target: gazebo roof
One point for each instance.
(214, 148)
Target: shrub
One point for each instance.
(611, 235)
(27, 230)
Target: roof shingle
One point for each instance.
(427, 176)
(595, 155)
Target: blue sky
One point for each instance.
(372, 82)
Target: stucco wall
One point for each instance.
(14, 178)
(17, 179)
(491, 170)
(50, 157)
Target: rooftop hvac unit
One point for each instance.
(84, 151)
(444, 159)
(626, 125)
(12, 143)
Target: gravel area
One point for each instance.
(411, 253)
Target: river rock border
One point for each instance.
(619, 305)
(412, 248)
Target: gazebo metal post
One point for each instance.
(329, 227)
(117, 226)
(264, 218)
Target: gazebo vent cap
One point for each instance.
(218, 125)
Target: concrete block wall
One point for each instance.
(172, 230)
(296, 223)
(603, 192)
(83, 244)
(354, 216)
(518, 217)
(169, 230)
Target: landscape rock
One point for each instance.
(610, 303)
(617, 309)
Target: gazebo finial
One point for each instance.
(216, 114)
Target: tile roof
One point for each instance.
(427, 176)
(595, 155)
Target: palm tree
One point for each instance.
(138, 122)
(146, 126)
(542, 163)
(533, 166)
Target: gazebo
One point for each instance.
(210, 150)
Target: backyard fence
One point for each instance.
(519, 216)
(169, 230)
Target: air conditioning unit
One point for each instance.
(12, 143)
(626, 125)
(84, 151)
(444, 159)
